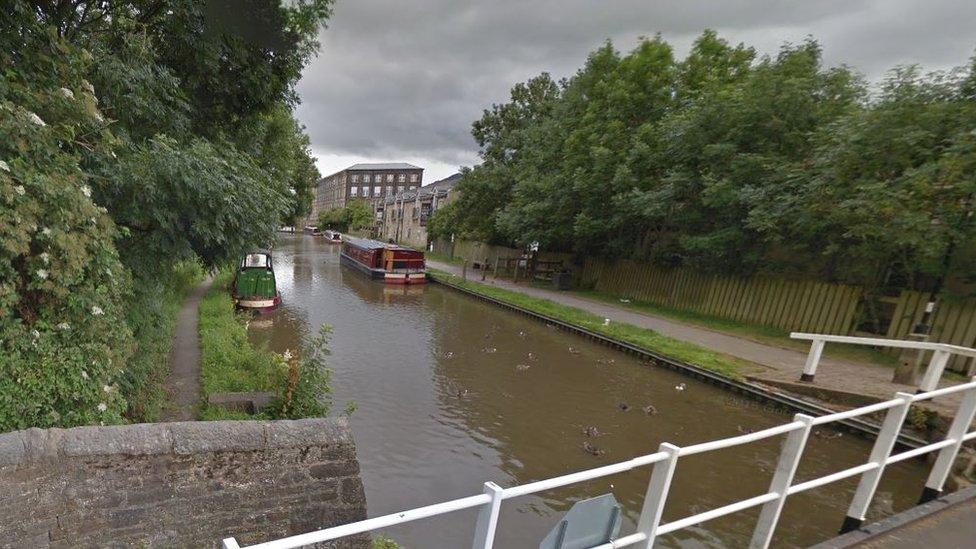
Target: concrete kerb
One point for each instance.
(757, 392)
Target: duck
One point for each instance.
(649, 409)
(591, 431)
(574, 350)
(623, 406)
(522, 367)
(489, 350)
(743, 430)
(606, 321)
(680, 387)
(592, 450)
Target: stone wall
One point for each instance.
(177, 484)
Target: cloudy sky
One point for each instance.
(400, 80)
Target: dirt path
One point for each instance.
(183, 383)
(776, 364)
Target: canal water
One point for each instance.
(452, 392)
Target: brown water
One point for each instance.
(452, 392)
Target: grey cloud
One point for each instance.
(397, 78)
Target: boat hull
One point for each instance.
(258, 304)
(381, 274)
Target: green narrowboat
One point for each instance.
(254, 286)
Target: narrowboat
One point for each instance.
(254, 286)
(387, 262)
(333, 237)
(312, 230)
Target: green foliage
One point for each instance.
(356, 215)
(729, 163)
(137, 142)
(230, 363)
(384, 542)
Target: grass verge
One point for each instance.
(230, 363)
(723, 364)
(762, 334)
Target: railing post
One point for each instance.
(484, 531)
(789, 460)
(947, 456)
(934, 371)
(813, 359)
(887, 437)
(229, 543)
(657, 495)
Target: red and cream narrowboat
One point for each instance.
(387, 262)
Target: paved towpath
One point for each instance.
(183, 383)
(775, 364)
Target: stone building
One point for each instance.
(403, 216)
(373, 182)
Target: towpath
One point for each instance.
(777, 366)
(183, 383)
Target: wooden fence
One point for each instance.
(792, 305)
(807, 306)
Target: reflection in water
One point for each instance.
(452, 392)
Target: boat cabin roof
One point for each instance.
(256, 258)
(374, 244)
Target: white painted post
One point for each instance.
(947, 456)
(657, 495)
(933, 373)
(484, 531)
(230, 543)
(789, 460)
(887, 437)
(813, 359)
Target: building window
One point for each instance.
(365, 192)
(355, 178)
(365, 178)
(389, 178)
(402, 178)
(377, 190)
(389, 190)
(399, 189)
(412, 187)
(354, 191)
(413, 178)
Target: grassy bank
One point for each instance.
(231, 364)
(647, 339)
(763, 334)
(151, 314)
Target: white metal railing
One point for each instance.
(941, 352)
(649, 525)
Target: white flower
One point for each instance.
(102, 406)
(67, 93)
(287, 355)
(20, 190)
(107, 389)
(46, 231)
(45, 257)
(98, 117)
(64, 326)
(86, 190)
(4, 166)
(35, 119)
(97, 311)
(42, 274)
(35, 334)
(88, 87)
(84, 374)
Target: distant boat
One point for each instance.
(312, 230)
(388, 262)
(333, 237)
(254, 286)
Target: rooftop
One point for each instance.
(384, 166)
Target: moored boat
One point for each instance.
(333, 237)
(254, 287)
(388, 262)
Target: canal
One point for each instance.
(452, 392)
